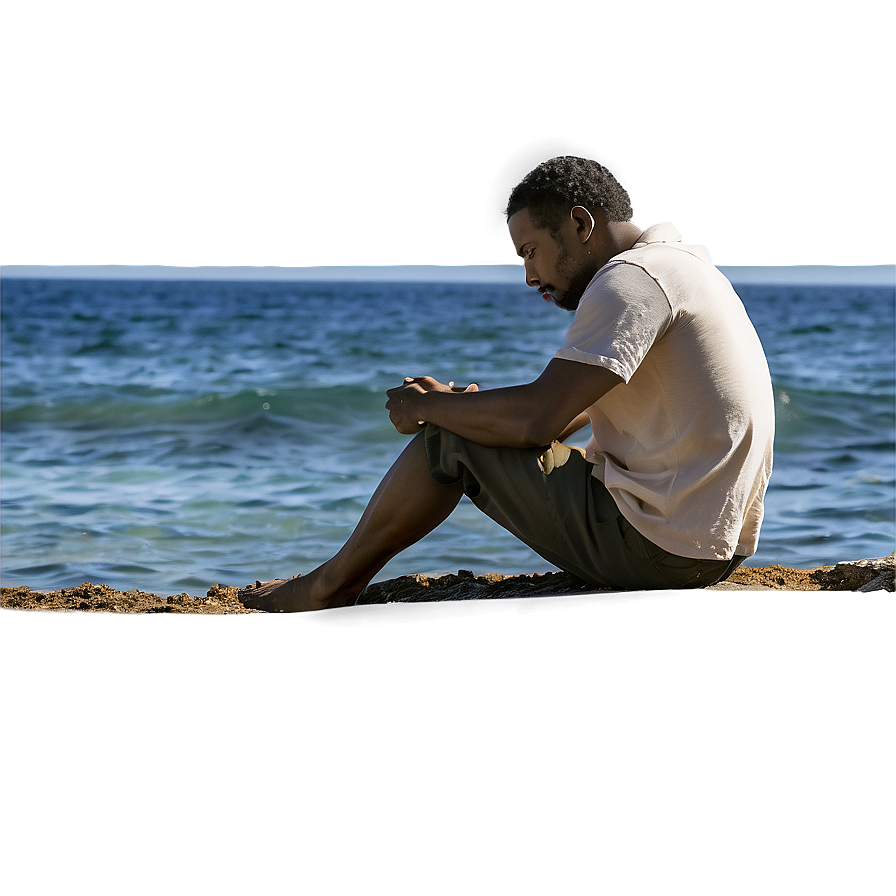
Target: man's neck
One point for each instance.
(614, 237)
(623, 235)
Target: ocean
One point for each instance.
(166, 435)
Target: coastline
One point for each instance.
(858, 575)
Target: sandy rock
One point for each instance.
(103, 599)
(852, 575)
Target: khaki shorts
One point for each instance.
(548, 499)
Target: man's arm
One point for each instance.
(580, 422)
(515, 417)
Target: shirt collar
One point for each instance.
(659, 233)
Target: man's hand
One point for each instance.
(403, 404)
(428, 384)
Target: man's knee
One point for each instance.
(446, 456)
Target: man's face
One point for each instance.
(551, 261)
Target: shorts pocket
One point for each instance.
(670, 570)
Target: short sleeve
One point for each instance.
(622, 313)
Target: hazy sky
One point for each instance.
(199, 133)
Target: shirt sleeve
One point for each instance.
(622, 313)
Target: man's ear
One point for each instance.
(584, 222)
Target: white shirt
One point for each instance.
(684, 445)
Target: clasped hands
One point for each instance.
(403, 404)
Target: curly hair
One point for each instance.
(555, 186)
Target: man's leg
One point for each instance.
(407, 505)
(549, 499)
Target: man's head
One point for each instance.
(567, 218)
(557, 185)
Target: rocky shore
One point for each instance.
(859, 575)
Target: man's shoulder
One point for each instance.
(664, 255)
(663, 266)
(628, 272)
(624, 290)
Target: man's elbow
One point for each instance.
(540, 430)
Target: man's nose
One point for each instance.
(531, 277)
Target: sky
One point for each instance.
(199, 133)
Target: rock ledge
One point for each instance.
(857, 575)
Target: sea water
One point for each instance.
(165, 435)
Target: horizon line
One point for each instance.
(883, 275)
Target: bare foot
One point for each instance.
(295, 595)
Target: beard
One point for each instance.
(577, 276)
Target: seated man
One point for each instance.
(661, 361)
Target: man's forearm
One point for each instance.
(511, 417)
(551, 407)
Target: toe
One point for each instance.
(253, 596)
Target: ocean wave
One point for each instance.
(138, 406)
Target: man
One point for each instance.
(663, 363)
